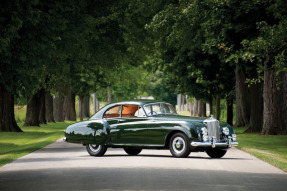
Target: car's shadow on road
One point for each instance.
(169, 156)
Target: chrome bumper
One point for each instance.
(210, 144)
(214, 144)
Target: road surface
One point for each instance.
(66, 166)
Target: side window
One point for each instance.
(132, 111)
(113, 112)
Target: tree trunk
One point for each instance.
(7, 115)
(195, 106)
(69, 106)
(211, 106)
(256, 108)
(275, 103)
(109, 96)
(282, 100)
(203, 105)
(179, 102)
(229, 104)
(217, 113)
(81, 106)
(182, 102)
(191, 109)
(86, 106)
(242, 99)
(201, 108)
(96, 103)
(32, 113)
(42, 106)
(49, 108)
(58, 104)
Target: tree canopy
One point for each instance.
(232, 49)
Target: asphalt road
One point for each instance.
(66, 166)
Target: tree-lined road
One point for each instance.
(65, 166)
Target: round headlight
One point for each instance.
(225, 131)
(204, 131)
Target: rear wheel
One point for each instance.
(178, 145)
(132, 151)
(216, 153)
(96, 150)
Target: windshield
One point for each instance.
(159, 109)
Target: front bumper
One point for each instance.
(210, 144)
(229, 143)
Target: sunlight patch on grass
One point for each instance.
(14, 144)
(266, 153)
(270, 148)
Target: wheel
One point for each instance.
(216, 153)
(96, 150)
(179, 146)
(132, 151)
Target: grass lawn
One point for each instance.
(270, 148)
(14, 145)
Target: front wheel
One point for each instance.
(178, 145)
(132, 151)
(216, 153)
(96, 150)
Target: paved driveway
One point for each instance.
(66, 166)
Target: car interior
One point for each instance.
(127, 111)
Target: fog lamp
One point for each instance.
(205, 138)
(233, 137)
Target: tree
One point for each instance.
(13, 53)
(268, 51)
(185, 53)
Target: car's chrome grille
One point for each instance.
(213, 130)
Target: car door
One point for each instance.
(131, 129)
(158, 126)
(158, 131)
(112, 117)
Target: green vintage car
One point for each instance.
(137, 125)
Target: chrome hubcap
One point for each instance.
(178, 145)
(95, 148)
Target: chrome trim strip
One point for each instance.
(213, 145)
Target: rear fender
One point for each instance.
(101, 132)
(87, 132)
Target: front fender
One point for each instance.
(193, 128)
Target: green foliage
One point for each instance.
(188, 53)
(158, 88)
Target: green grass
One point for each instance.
(14, 145)
(20, 113)
(270, 148)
